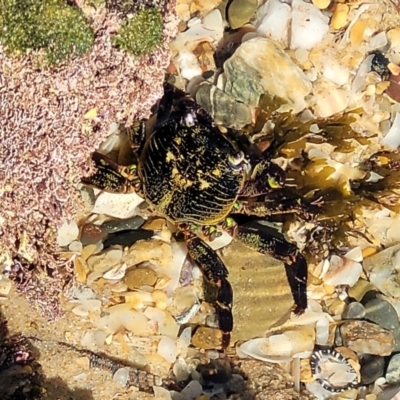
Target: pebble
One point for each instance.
(247, 78)
(123, 224)
(121, 376)
(358, 291)
(92, 233)
(223, 107)
(167, 348)
(354, 310)
(157, 251)
(381, 312)
(192, 390)
(207, 338)
(138, 277)
(382, 270)
(372, 368)
(240, 12)
(105, 261)
(127, 238)
(365, 337)
(393, 370)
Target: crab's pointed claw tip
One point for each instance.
(296, 273)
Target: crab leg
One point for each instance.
(268, 241)
(214, 271)
(112, 177)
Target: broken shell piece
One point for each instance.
(333, 371)
(281, 347)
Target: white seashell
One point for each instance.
(322, 331)
(180, 370)
(116, 273)
(355, 254)
(342, 272)
(121, 376)
(256, 348)
(68, 232)
(167, 349)
(188, 65)
(75, 246)
(184, 341)
(117, 205)
(378, 41)
(213, 21)
(330, 101)
(392, 138)
(360, 78)
(308, 26)
(179, 252)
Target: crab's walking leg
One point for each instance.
(268, 241)
(112, 177)
(215, 271)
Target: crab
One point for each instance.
(196, 177)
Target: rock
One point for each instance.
(396, 334)
(5, 285)
(156, 251)
(105, 261)
(261, 66)
(121, 376)
(309, 25)
(137, 277)
(381, 312)
(393, 370)
(358, 291)
(225, 110)
(354, 310)
(92, 233)
(373, 367)
(118, 205)
(123, 224)
(382, 270)
(240, 12)
(365, 337)
(207, 338)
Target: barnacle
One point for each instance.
(141, 33)
(58, 29)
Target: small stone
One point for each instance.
(137, 277)
(83, 362)
(382, 270)
(354, 310)
(373, 367)
(105, 261)
(121, 376)
(91, 234)
(222, 106)
(247, 78)
(123, 224)
(339, 17)
(167, 349)
(192, 390)
(381, 312)
(240, 12)
(358, 291)
(393, 370)
(365, 337)
(207, 338)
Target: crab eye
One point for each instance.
(189, 119)
(236, 159)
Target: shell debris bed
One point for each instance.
(303, 72)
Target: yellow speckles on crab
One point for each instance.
(170, 157)
(178, 140)
(217, 172)
(204, 184)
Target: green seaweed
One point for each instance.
(58, 29)
(141, 33)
